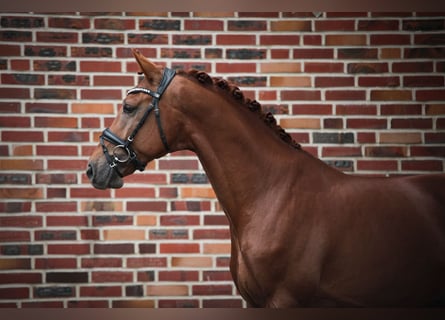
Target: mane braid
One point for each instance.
(253, 105)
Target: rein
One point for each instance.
(123, 152)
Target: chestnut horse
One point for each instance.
(302, 233)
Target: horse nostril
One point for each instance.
(90, 172)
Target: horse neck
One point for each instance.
(243, 158)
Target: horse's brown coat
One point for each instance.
(303, 234)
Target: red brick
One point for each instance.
(346, 40)
(390, 39)
(422, 165)
(14, 93)
(356, 109)
(56, 206)
(331, 81)
(408, 67)
(305, 95)
(381, 81)
(401, 109)
(377, 165)
(14, 293)
(21, 193)
(211, 234)
(146, 262)
(14, 236)
(322, 67)
(378, 25)
(345, 95)
(386, 151)
(180, 276)
(111, 276)
(335, 25)
(101, 291)
(391, 95)
(312, 109)
(21, 221)
(179, 248)
(279, 40)
(77, 221)
(306, 53)
(100, 66)
(430, 95)
(14, 122)
(341, 152)
(291, 25)
(210, 290)
(412, 123)
(235, 67)
(69, 249)
(198, 24)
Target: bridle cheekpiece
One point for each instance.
(123, 152)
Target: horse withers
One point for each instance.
(302, 233)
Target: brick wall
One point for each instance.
(363, 91)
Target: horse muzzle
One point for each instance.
(102, 176)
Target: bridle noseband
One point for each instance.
(123, 152)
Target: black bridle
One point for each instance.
(123, 152)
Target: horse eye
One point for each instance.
(128, 109)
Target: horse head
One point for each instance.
(145, 128)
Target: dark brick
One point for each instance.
(424, 25)
(180, 53)
(91, 52)
(145, 38)
(196, 178)
(16, 207)
(11, 250)
(367, 68)
(67, 277)
(250, 25)
(46, 108)
(103, 38)
(248, 81)
(54, 65)
(430, 39)
(55, 235)
(15, 178)
(161, 25)
(325, 137)
(357, 53)
(112, 220)
(20, 36)
(134, 291)
(192, 39)
(43, 51)
(35, 249)
(55, 94)
(54, 292)
(121, 248)
(22, 22)
(246, 54)
(343, 165)
(425, 53)
(145, 248)
(213, 53)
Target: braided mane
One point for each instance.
(237, 94)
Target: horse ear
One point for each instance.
(148, 68)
